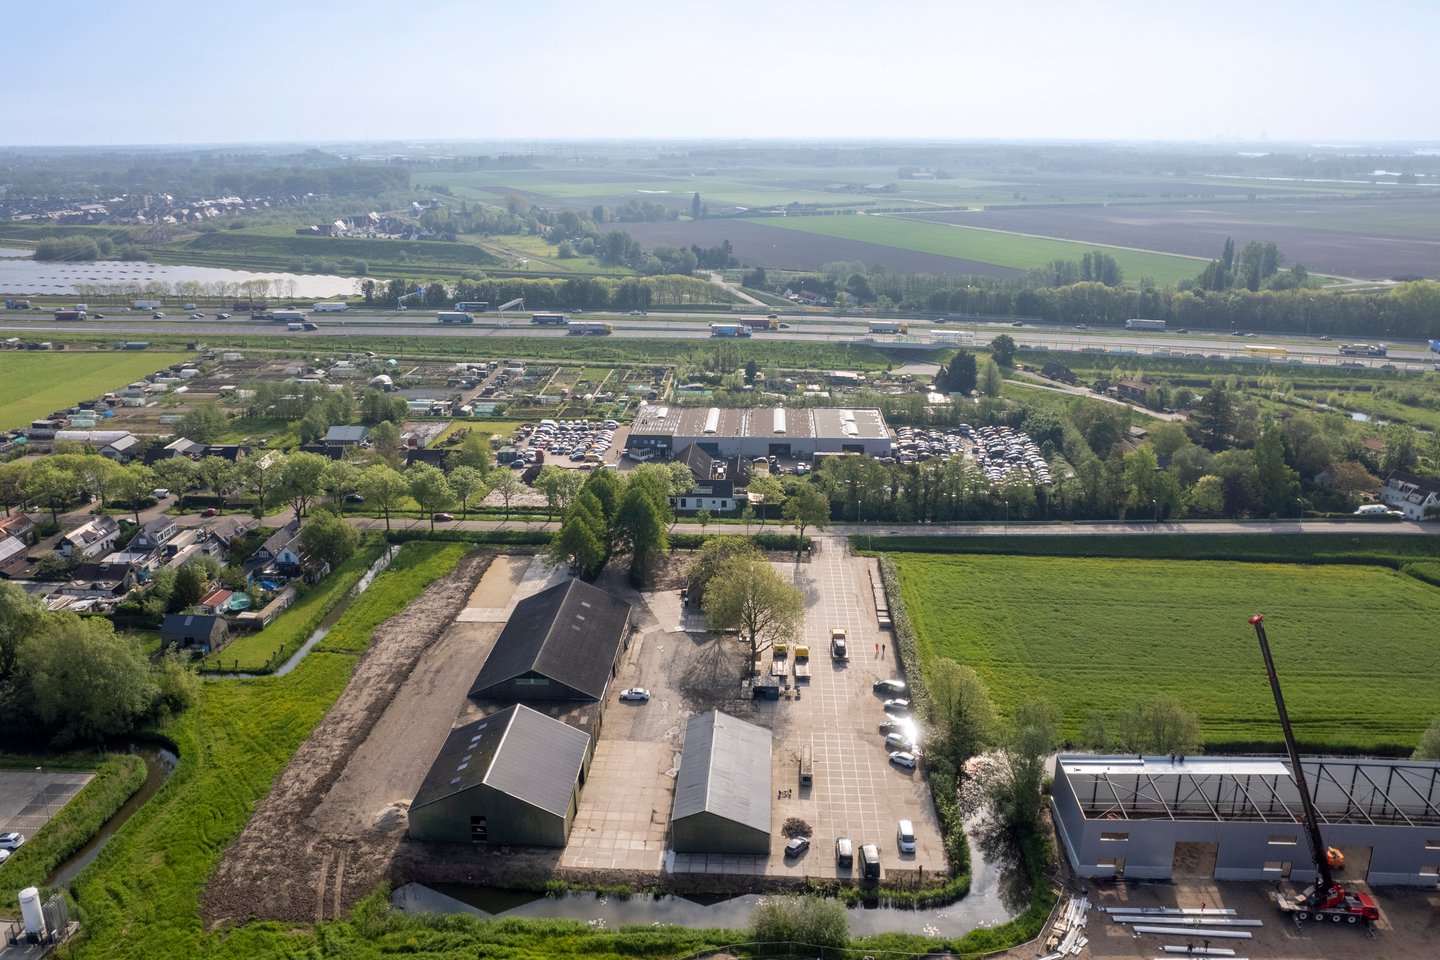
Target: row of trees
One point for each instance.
(611, 513)
(597, 293)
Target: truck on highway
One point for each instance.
(454, 316)
(761, 323)
(550, 319)
(588, 328)
(17, 304)
(147, 305)
(888, 326)
(1138, 324)
(69, 314)
(729, 330)
(1364, 349)
(332, 306)
(302, 327)
(287, 316)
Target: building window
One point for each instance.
(1278, 867)
(1432, 844)
(1106, 837)
(479, 830)
(1284, 839)
(1430, 871)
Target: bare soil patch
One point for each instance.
(291, 865)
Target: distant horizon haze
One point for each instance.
(176, 73)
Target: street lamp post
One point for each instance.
(1007, 516)
(1156, 504)
(1300, 517)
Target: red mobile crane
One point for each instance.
(1327, 898)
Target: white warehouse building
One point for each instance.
(759, 432)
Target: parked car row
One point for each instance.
(9, 843)
(899, 727)
(1002, 451)
(580, 440)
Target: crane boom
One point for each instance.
(1312, 823)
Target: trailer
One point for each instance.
(332, 306)
(147, 305)
(287, 316)
(729, 330)
(1139, 324)
(761, 323)
(589, 328)
(69, 314)
(888, 326)
(454, 316)
(17, 304)
(1364, 349)
(550, 319)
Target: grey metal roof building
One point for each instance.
(513, 777)
(722, 791)
(560, 644)
(759, 432)
(1240, 818)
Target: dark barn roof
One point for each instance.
(519, 752)
(569, 633)
(724, 771)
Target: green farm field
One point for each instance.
(986, 246)
(1354, 645)
(35, 384)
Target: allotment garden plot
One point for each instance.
(1354, 644)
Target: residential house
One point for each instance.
(185, 447)
(294, 561)
(215, 603)
(1411, 495)
(153, 535)
(270, 549)
(12, 557)
(102, 581)
(1132, 390)
(346, 436)
(123, 450)
(715, 481)
(193, 632)
(90, 540)
(19, 526)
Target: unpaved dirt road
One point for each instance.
(289, 864)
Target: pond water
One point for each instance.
(20, 274)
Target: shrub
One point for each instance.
(809, 920)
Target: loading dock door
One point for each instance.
(1357, 863)
(1194, 861)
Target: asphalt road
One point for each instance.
(693, 326)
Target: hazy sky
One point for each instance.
(198, 71)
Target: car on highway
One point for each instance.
(1082, 326)
(443, 517)
(797, 846)
(11, 841)
(1325, 336)
(637, 694)
(889, 686)
(902, 758)
(784, 326)
(1018, 323)
(157, 315)
(222, 316)
(634, 313)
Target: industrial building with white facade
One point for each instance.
(789, 432)
(1240, 818)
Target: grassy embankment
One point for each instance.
(265, 650)
(33, 385)
(988, 246)
(117, 777)
(1096, 635)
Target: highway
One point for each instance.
(1413, 355)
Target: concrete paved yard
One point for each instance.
(29, 799)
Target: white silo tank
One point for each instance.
(32, 914)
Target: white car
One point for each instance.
(4, 855)
(11, 841)
(898, 741)
(905, 834)
(904, 759)
(635, 693)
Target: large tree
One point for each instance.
(749, 596)
(383, 488)
(52, 486)
(964, 716)
(503, 481)
(339, 479)
(20, 616)
(639, 528)
(429, 489)
(806, 507)
(220, 476)
(13, 477)
(715, 556)
(179, 475)
(299, 480)
(560, 487)
(131, 484)
(580, 541)
(466, 482)
(328, 538)
(83, 682)
(765, 493)
(1002, 350)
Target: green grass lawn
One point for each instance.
(1354, 645)
(987, 246)
(34, 384)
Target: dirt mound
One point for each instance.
(394, 817)
(284, 866)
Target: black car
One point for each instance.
(797, 846)
(354, 498)
(889, 686)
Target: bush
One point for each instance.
(809, 920)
